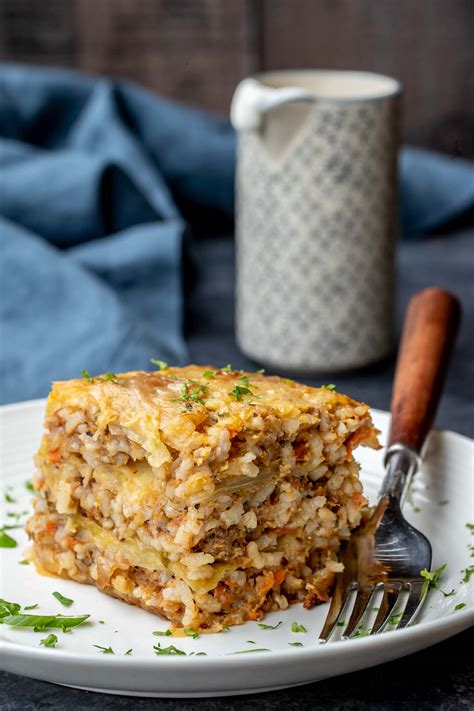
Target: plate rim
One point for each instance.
(452, 624)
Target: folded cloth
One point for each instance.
(92, 174)
(95, 175)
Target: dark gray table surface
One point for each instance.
(440, 677)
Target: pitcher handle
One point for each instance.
(252, 100)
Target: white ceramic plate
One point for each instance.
(446, 477)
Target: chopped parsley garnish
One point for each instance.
(244, 380)
(431, 578)
(375, 609)
(113, 378)
(460, 605)
(261, 371)
(250, 641)
(249, 651)
(9, 498)
(341, 623)
(227, 369)
(191, 391)
(296, 644)
(128, 652)
(8, 608)
(395, 619)
(295, 627)
(50, 641)
(42, 622)
(104, 650)
(470, 526)
(31, 607)
(66, 601)
(330, 386)
(101, 622)
(416, 509)
(468, 572)
(209, 374)
(162, 365)
(443, 503)
(170, 651)
(269, 627)
(449, 594)
(16, 516)
(23, 562)
(29, 486)
(238, 391)
(87, 376)
(191, 633)
(159, 633)
(6, 541)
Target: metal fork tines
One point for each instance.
(372, 609)
(381, 587)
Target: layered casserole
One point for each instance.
(209, 496)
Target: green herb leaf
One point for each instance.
(468, 573)
(470, 526)
(159, 633)
(395, 619)
(101, 622)
(449, 594)
(29, 486)
(162, 365)
(295, 627)
(443, 503)
(249, 651)
(31, 607)
(261, 371)
(104, 650)
(250, 641)
(87, 376)
(432, 578)
(296, 644)
(128, 652)
(42, 622)
(191, 633)
(201, 654)
(66, 601)
(341, 623)
(23, 562)
(191, 391)
(331, 386)
(113, 378)
(460, 605)
(50, 641)
(169, 651)
(227, 369)
(9, 498)
(209, 374)
(269, 627)
(244, 379)
(8, 608)
(238, 391)
(7, 541)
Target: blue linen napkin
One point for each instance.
(94, 177)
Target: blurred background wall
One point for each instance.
(198, 50)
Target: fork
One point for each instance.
(381, 587)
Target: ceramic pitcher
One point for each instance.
(316, 204)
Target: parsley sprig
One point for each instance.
(431, 578)
(169, 651)
(295, 627)
(50, 641)
(192, 391)
(66, 601)
(263, 626)
(162, 364)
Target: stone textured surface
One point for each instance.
(440, 677)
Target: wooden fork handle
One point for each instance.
(429, 333)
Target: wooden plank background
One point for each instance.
(198, 50)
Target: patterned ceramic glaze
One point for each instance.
(316, 199)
